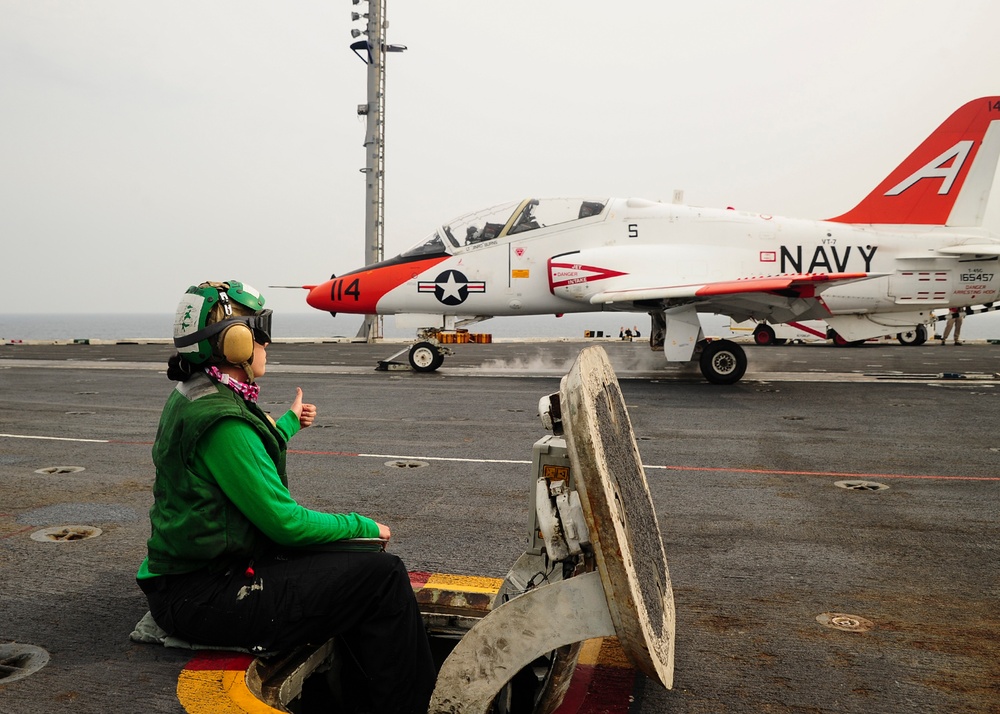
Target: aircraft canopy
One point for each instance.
(504, 220)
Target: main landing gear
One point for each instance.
(679, 336)
(722, 361)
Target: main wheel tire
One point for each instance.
(913, 338)
(723, 362)
(763, 335)
(425, 357)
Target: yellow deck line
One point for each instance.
(464, 583)
(218, 691)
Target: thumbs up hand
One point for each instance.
(304, 411)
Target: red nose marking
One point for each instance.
(359, 292)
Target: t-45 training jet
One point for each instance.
(915, 243)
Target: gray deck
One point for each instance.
(760, 540)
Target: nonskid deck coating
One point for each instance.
(760, 541)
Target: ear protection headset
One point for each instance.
(235, 342)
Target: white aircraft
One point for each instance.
(915, 243)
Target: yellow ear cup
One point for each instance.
(236, 343)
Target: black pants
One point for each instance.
(307, 597)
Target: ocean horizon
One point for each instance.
(318, 325)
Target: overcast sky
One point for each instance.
(147, 145)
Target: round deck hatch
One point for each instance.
(18, 661)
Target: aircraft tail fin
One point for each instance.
(946, 180)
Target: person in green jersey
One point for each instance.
(232, 559)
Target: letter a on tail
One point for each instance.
(946, 180)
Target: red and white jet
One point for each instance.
(914, 244)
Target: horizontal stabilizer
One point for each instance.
(981, 249)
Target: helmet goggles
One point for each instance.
(259, 323)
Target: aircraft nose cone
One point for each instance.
(365, 291)
(345, 294)
(318, 297)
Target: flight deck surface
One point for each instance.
(792, 592)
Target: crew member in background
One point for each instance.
(233, 560)
(955, 317)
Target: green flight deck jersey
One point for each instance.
(221, 493)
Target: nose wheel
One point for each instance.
(425, 357)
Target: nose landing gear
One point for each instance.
(426, 357)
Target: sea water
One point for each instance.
(318, 325)
(315, 324)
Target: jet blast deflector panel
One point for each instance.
(618, 506)
(629, 595)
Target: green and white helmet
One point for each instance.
(192, 333)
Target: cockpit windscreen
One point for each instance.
(506, 219)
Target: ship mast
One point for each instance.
(373, 51)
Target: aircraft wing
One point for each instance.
(794, 286)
